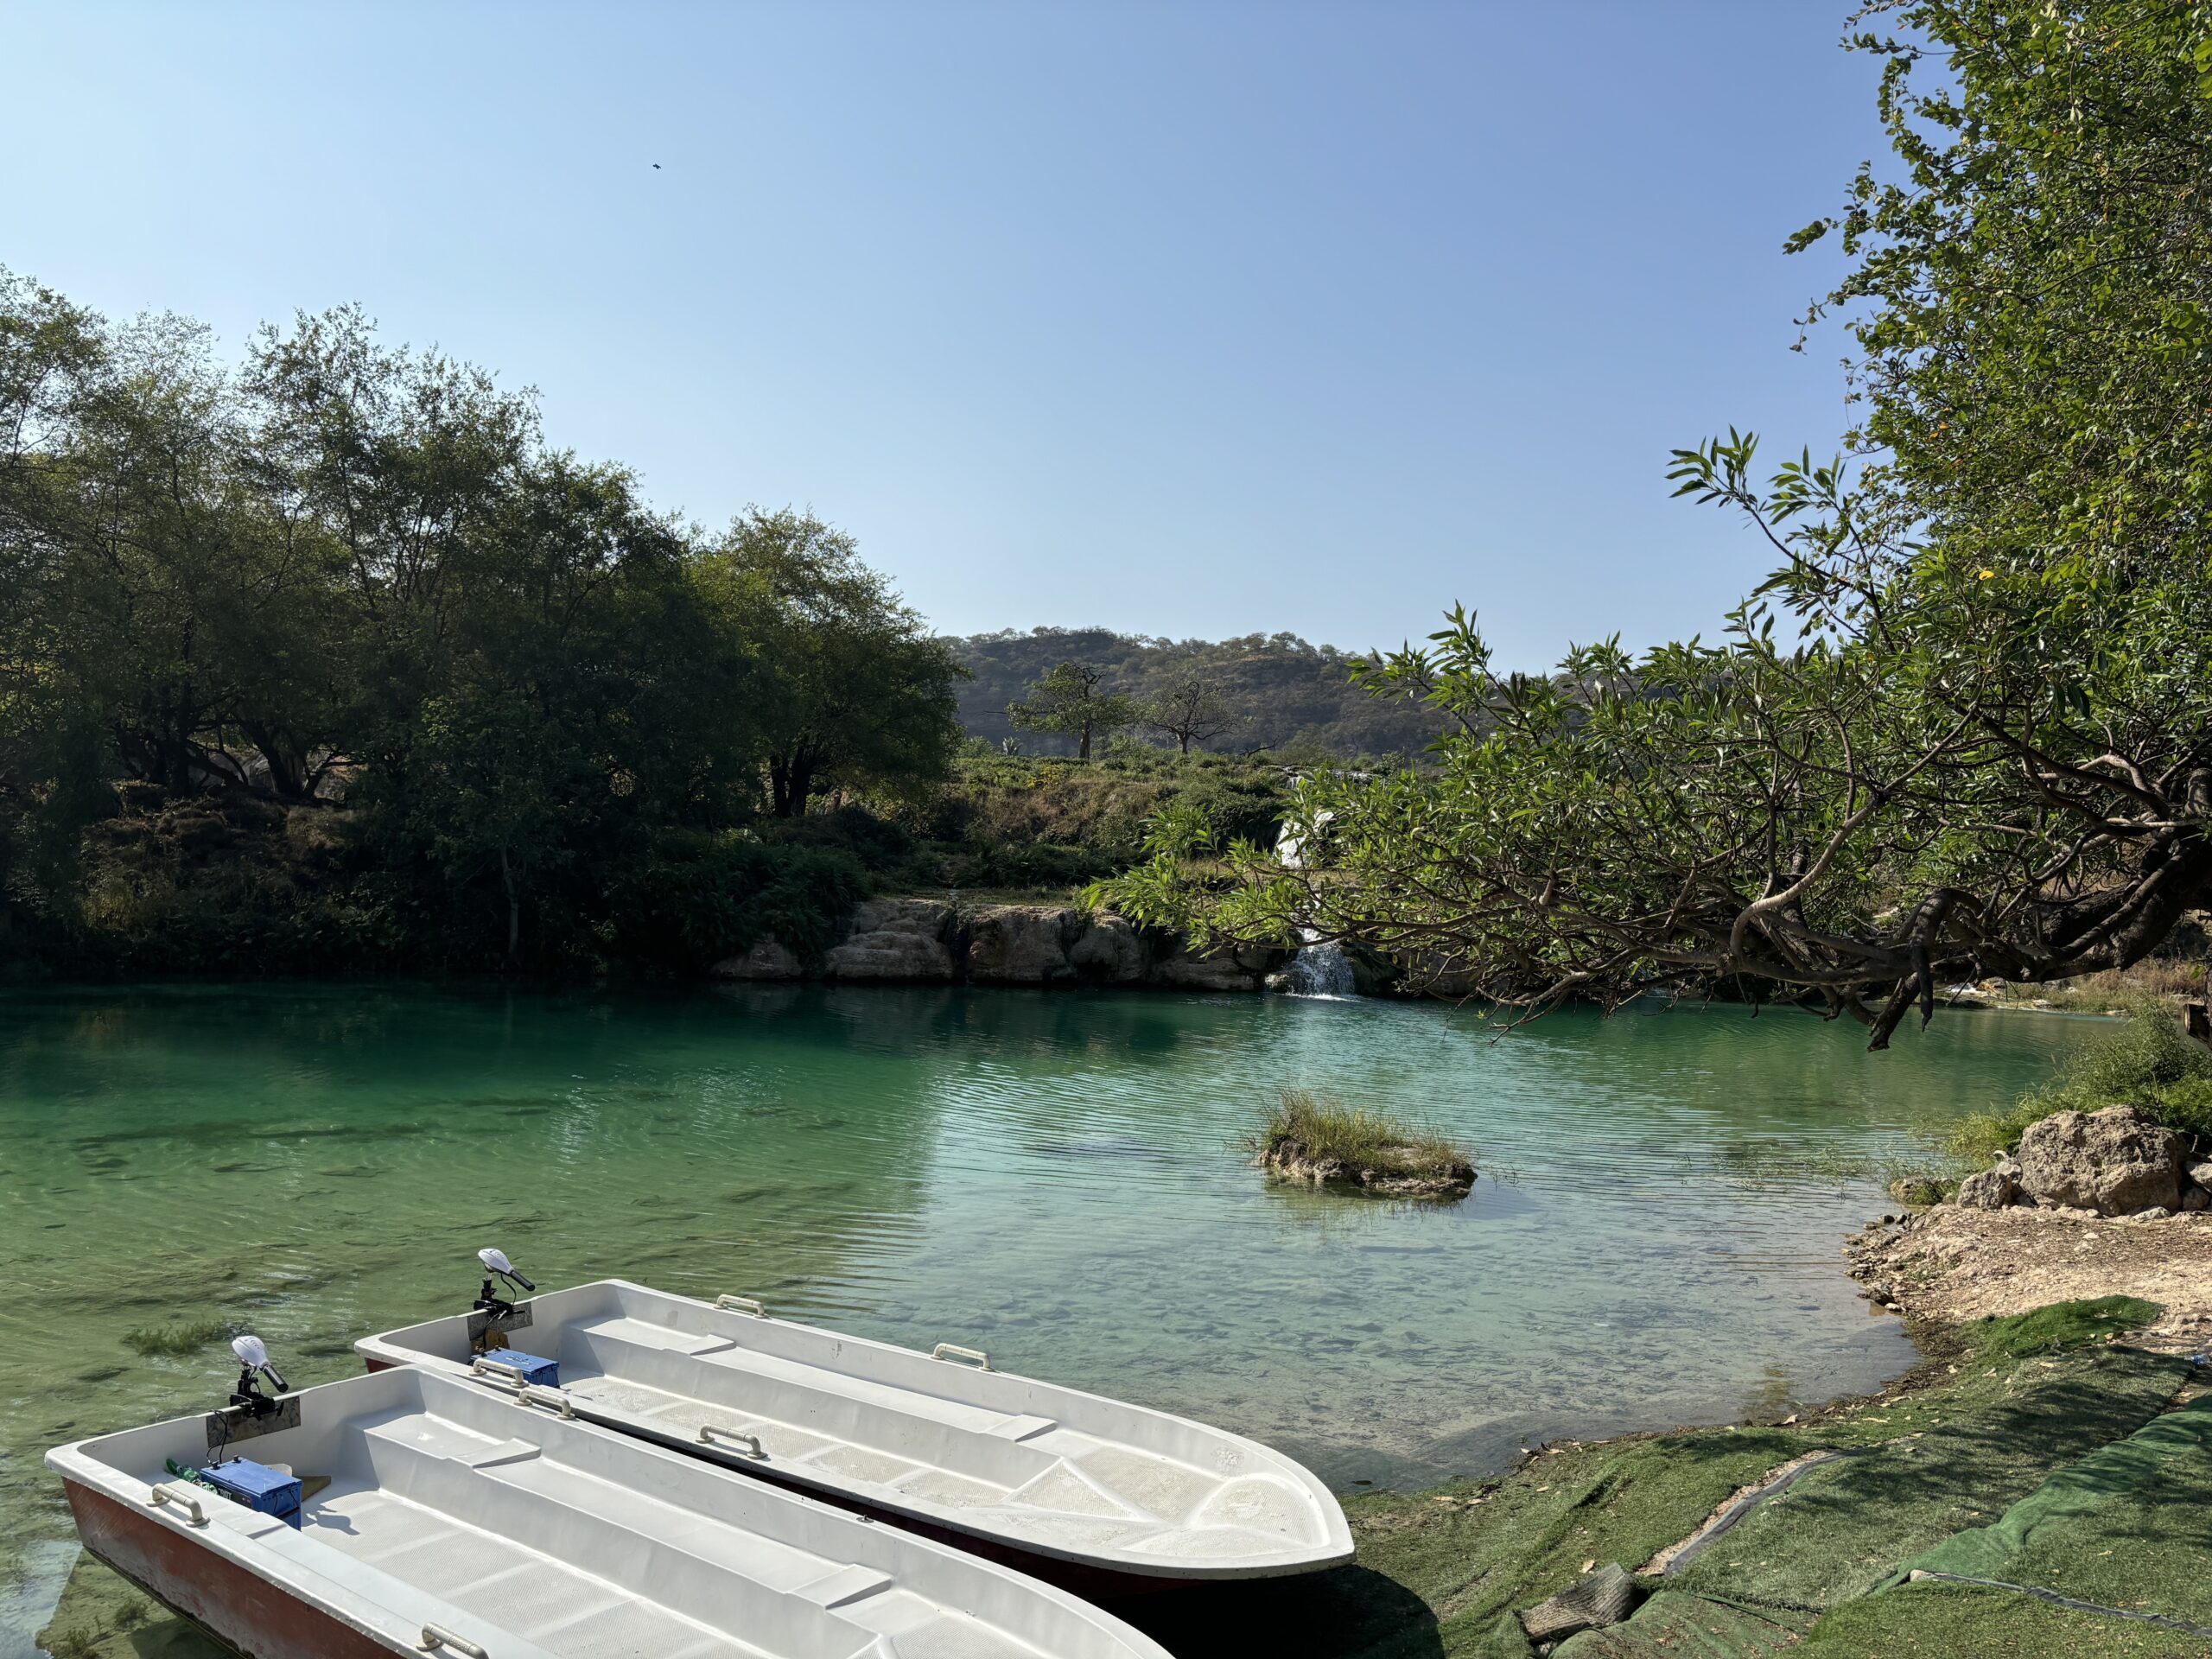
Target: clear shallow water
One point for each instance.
(1048, 1176)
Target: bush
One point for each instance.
(1361, 1140)
(2150, 1063)
(696, 898)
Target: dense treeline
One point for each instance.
(326, 656)
(1280, 693)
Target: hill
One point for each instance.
(1286, 692)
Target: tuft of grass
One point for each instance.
(2151, 1063)
(2060, 1327)
(1317, 1131)
(178, 1341)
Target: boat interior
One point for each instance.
(1063, 1472)
(451, 1506)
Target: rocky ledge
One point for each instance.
(930, 942)
(2115, 1162)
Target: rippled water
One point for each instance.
(1654, 1238)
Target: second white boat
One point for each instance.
(1031, 1472)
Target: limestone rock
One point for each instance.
(766, 960)
(1993, 1188)
(2194, 1197)
(1217, 970)
(1022, 944)
(1603, 1597)
(895, 939)
(2114, 1162)
(1108, 951)
(2201, 1174)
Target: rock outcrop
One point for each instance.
(1215, 970)
(928, 941)
(1023, 945)
(2116, 1162)
(894, 940)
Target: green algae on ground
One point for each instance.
(1969, 1621)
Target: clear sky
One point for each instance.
(1199, 319)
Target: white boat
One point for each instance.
(459, 1521)
(1084, 1489)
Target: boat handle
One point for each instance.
(742, 1305)
(485, 1363)
(170, 1494)
(552, 1399)
(750, 1442)
(435, 1637)
(954, 1350)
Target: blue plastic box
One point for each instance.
(545, 1373)
(258, 1486)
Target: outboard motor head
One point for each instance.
(253, 1357)
(495, 1265)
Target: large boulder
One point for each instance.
(1108, 951)
(894, 940)
(2114, 1162)
(1022, 944)
(767, 959)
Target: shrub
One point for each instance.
(2151, 1063)
(696, 898)
(1317, 1131)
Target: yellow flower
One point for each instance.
(1986, 574)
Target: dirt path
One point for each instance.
(1951, 1265)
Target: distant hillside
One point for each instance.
(1285, 690)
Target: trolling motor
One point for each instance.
(495, 1265)
(253, 1356)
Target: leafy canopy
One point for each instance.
(1965, 728)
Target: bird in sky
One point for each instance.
(656, 167)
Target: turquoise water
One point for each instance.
(1654, 1238)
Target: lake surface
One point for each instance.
(1655, 1239)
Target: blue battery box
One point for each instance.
(528, 1368)
(258, 1486)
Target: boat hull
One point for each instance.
(258, 1618)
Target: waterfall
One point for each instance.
(1319, 969)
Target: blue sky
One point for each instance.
(1197, 318)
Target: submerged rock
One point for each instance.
(1292, 1160)
(2114, 1162)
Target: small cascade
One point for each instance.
(1319, 969)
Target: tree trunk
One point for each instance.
(1082, 743)
(1186, 738)
(514, 910)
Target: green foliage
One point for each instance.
(1069, 703)
(1964, 730)
(1281, 692)
(697, 898)
(336, 573)
(2150, 1063)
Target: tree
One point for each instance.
(1068, 701)
(492, 778)
(1980, 741)
(852, 690)
(1191, 711)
